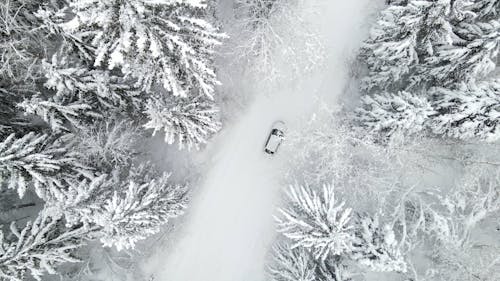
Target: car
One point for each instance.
(275, 138)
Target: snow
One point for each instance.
(229, 227)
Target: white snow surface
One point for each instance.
(228, 230)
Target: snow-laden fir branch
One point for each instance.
(187, 122)
(37, 248)
(21, 44)
(472, 111)
(390, 113)
(100, 89)
(316, 221)
(433, 42)
(292, 264)
(120, 212)
(60, 117)
(36, 160)
(468, 112)
(161, 43)
(325, 228)
(396, 45)
(376, 247)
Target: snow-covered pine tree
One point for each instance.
(298, 264)
(102, 90)
(187, 121)
(38, 161)
(164, 47)
(21, 43)
(37, 248)
(172, 47)
(139, 211)
(389, 113)
(159, 43)
(450, 47)
(292, 264)
(76, 96)
(405, 33)
(317, 222)
(440, 42)
(327, 230)
(60, 117)
(471, 111)
(53, 19)
(120, 211)
(473, 54)
(376, 246)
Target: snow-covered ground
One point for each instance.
(229, 227)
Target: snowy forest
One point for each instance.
(132, 138)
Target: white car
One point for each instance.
(275, 138)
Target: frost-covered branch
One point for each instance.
(160, 43)
(37, 160)
(21, 43)
(37, 248)
(270, 32)
(471, 111)
(109, 144)
(390, 113)
(292, 264)
(317, 221)
(121, 212)
(187, 122)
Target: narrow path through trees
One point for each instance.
(229, 228)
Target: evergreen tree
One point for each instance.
(292, 264)
(473, 52)
(376, 246)
(74, 97)
(160, 43)
(472, 111)
(37, 160)
(317, 221)
(71, 83)
(116, 54)
(298, 264)
(102, 90)
(404, 35)
(139, 211)
(444, 51)
(326, 239)
(21, 43)
(189, 122)
(388, 113)
(37, 248)
(120, 210)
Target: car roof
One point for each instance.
(273, 142)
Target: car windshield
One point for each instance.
(277, 132)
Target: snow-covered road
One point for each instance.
(229, 227)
